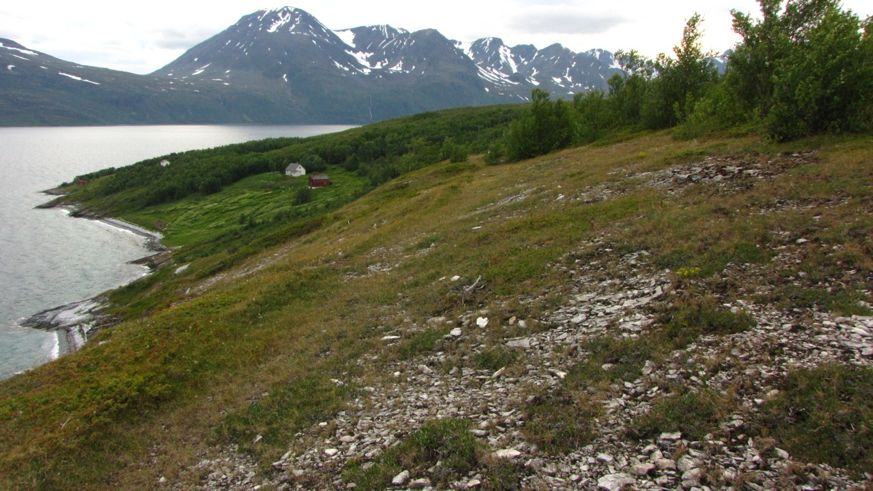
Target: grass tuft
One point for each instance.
(495, 358)
(446, 441)
(561, 422)
(694, 414)
(825, 415)
(702, 316)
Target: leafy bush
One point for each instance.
(303, 195)
(548, 126)
(804, 68)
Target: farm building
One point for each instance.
(319, 181)
(295, 170)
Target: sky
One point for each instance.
(141, 37)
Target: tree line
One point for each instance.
(377, 153)
(804, 68)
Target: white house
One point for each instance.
(165, 163)
(295, 170)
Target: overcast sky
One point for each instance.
(141, 37)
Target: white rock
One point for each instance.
(670, 437)
(604, 457)
(507, 453)
(183, 268)
(782, 454)
(390, 338)
(522, 324)
(692, 477)
(615, 482)
(473, 483)
(420, 483)
(481, 321)
(665, 464)
(330, 452)
(456, 332)
(558, 373)
(644, 469)
(400, 479)
(519, 343)
(456, 278)
(686, 463)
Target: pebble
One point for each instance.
(615, 482)
(400, 479)
(507, 453)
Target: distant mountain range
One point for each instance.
(284, 66)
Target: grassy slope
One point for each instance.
(228, 360)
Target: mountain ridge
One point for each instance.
(284, 66)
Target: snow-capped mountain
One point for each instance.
(289, 43)
(283, 65)
(516, 70)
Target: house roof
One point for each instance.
(318, 176)
(293, 165)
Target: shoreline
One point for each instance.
(75, 322)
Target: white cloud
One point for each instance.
(565, 22)
(143, 36)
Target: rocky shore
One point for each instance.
(77, 321)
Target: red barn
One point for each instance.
(318, 180)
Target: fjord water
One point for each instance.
(48, 259)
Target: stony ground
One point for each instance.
(617, 294)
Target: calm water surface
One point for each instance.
(49, 259)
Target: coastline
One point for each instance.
(75, 322)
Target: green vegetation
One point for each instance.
(282, 412)
(560, 422)
(282, 311)
(615, 359)
(447, 441)
(376, 153)
(825, 415)
(804, 69)
(843, 302)
(694, 414)
(219, 354)
(623, 358)
(494, 359)
(692, 319)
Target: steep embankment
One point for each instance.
(651, 312)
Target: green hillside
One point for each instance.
(227, 351)
(665, 286)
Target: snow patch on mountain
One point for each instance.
(22, 51)
(282, 18)
(77, 78)
(347, 36)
